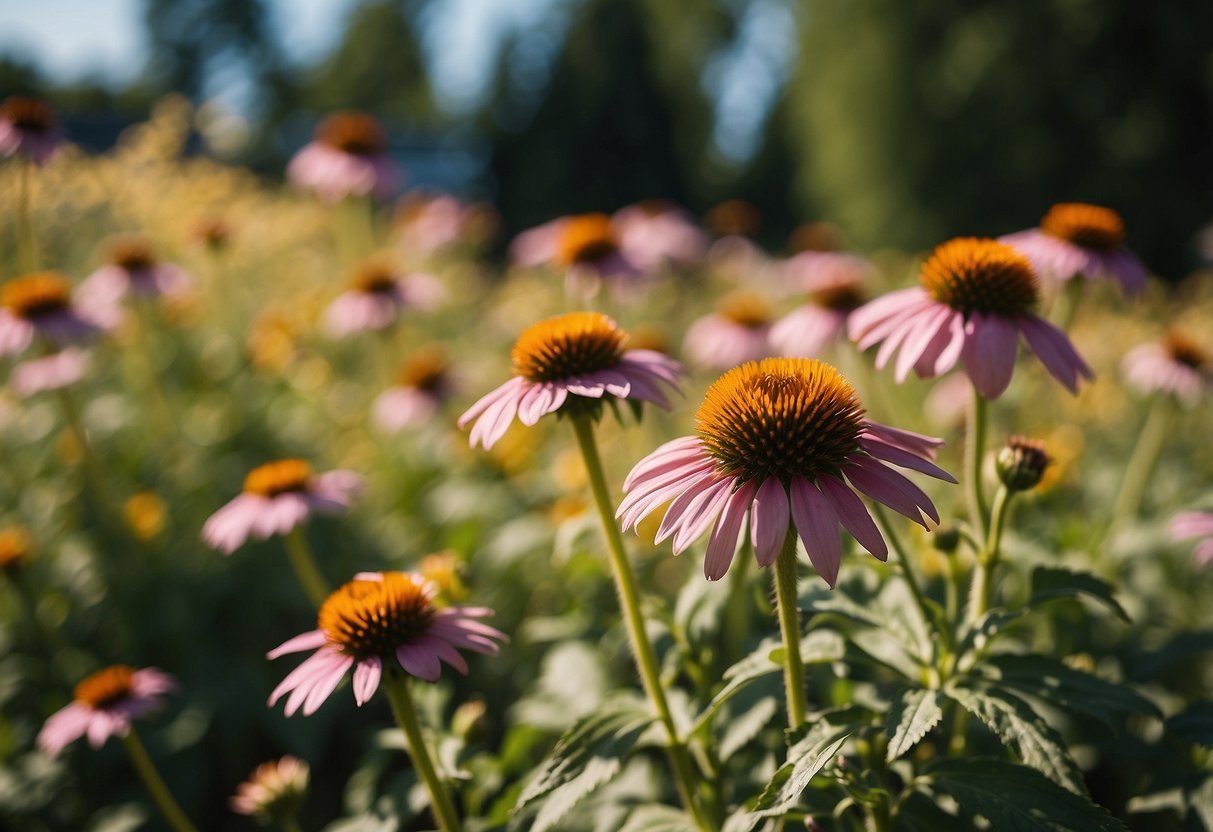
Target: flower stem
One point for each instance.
(629, 602)
(155, 783)
(975, 449)
(304, 564)
(987, 558)
(1141, 464)
(789, 628)
(398, 695)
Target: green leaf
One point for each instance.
(1200, 801)
(699, 608)
(1061, 685)
(1015, 798)
(658, 818)
(588, 756)
(911, 718)
(743, 727)
(1195, 725)
(1050, 583)
(806, 757)
(986, 628)
(921, 813)
(816, 647)
(1021, 729)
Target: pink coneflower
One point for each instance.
(104, 706)
(657, 233)
(576, 360)
(738, 331)
(41, 305)
(423, 384)
(834, 282)
(346, 158)
(28, 127)
(1177, 366)
(52, 372)
(134, 270)
(776, 438)
(432, 223)
(1079, 239)
(273, 791)
(278, 497)
(586, 246)
(377, 296)
(380, 617)
(977, 296)
(1199, 525)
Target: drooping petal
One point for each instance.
(854, 516)
(989, 353)
(769, 521)
(366, 679)
(1055, 351)
(818, 527)
(722, 545)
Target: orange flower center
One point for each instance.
(132, 254)
(745, 309)
(375, 278)
(354, 133)
(568, 345)
(586, 239)
(971, 275)
(14, 547)
(780, 417)
(425, 370)
(28, 114)
(373, 618)
(734, 216)
(842, 297)
(105, 687)
(1184, 350)
(281, 477)
(816, 236)
(36, 294)
(1089, 226)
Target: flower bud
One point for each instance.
(273, 792)
(946, 539)
(1022, 463)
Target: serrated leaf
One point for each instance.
(986, 628)
(1195, 724)
(743, 727)
(1022, 730)
(1050, 583)
(806, 757)
(816, 646)
(912, 716)
(1066, 687)
(658, 818)
(587, 756)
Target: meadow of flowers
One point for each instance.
(326, 512)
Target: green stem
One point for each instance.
(975, 449)
(398, 695)
(987, 559)
(304, 563)
(629, 602)
(907, 572)
(1141, 464)
(155, 783)
(789, 628)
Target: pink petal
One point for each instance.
(769, 521)
(989, 354)
(854, 516)
(818, 527)
(366, 679)
(310, 640)
(722, 545)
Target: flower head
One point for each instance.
(576, 360)
(133, 269)
(976, 297)
(14, 548)
(348, 157)
(422, 386)
(835, 284)
(1178, 365)
(277, 497)
(380, 617)
(378, 293)
(28, 127)
(1021, 463)
(104, 706)
(656, 233)
(429, 223)
(273, 791)
(1074, 239)
(587, 247)
(41, 305)
(738, 331)
(786, 442)
(1195, 525)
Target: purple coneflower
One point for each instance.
(656, 233)
(134, 270)
(380, 617)
(347, 157)
(977, 296)
(786, 442)
(376, 297)
(576, 360)
(273, 791)
(424, 383)
(51, 372)
(1177, 366)
(104, 706)
(278, 497)
(586, 246)
(1195, 524)
(834, 282)
(1079, 239)
(432, 223)
(738, 331)
(41, 304)
(28, 127)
